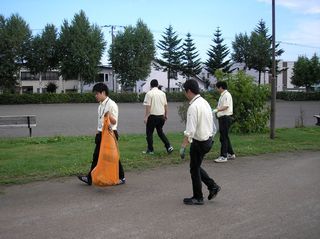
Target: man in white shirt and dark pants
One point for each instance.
(224, 112)
(156, 114)
(200, 130)
(106, 104)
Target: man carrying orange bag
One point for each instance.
(106, 168)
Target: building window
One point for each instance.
(107, 78)
(26, 76)
(50, 76)
(100, 77)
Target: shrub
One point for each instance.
(52, 87)
(298, 96)
(250, 113)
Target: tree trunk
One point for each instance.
(40, 82)
(168, 89)
(259, 77)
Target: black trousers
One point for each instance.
(156, 122)
(95, 156)
(224, 125)
(197, 151)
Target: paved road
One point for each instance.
(267, 196)
(80, 119)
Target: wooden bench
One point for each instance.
(18, 121)
(318, 119)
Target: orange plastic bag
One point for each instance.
(106, 173)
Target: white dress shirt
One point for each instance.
(157, 100)
(225, 100)
(200, 125)
(110, 106)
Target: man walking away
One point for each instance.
(155, 116)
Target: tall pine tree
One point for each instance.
(171, 54)
(217, 54)
(260, 50)
(190, 58)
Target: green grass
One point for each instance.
(39, 158)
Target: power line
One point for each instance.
(297, 44)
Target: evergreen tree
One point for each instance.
(190, 61)
(171, 54)
(131, 54)
(217, 54)
(81, 46)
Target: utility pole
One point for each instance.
(274, 78)
(114, 81)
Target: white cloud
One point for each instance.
(306, 6)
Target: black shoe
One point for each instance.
(193, 201)
(84, 179)
(122, 181)
(170, 150)
(214, 192)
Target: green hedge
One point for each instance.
(52, 98)
(298, 96)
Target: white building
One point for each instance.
(162, 77)
(32, 84)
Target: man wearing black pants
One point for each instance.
(155, 116)
(224, 112)
(200, 130)
(106, 105)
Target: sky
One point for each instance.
(297, 21)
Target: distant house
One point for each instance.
(283, 78)
(162, 76)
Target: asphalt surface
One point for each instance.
(266, 196)
(81, 119)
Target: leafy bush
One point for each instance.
(250, 113)
(52, 87)
(298, 96)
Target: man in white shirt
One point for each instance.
(224, 112)
(200, 130)
(156, 114)
(105, 105)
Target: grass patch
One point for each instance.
(40, 158)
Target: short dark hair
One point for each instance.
(100, 87)
(154, 83)
(222, 84)
(191, 85)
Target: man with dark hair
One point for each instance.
(105, 105)
(224, 111)
(155, 116)
(200, 130)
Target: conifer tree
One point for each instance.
(171, 54)
(217, 55)
(190, 58)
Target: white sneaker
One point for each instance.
(231, 156)
(221, 160)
